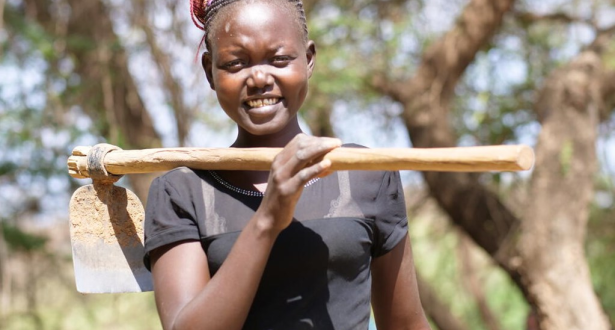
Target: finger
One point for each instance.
(302, 152)
(326, 173)
(312, 151)
(319, 169)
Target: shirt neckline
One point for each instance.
(247, 192)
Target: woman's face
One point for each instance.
(259, 66)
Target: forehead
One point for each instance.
(259, 15)
(256, 24)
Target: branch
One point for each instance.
(2, 4)
(163, 61)
(386, 86)
(426, 99)
(607, 85)
(608, 94)
(602, 40)
(528, 18)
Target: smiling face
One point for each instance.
(259, 65)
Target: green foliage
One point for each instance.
(354, 42)
(7, 167)
(30, 32)
(600, 244)
(565, 157)
(50, 301)
(19, 240)
(609, 57)
(436, 254)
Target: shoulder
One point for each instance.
(179, 173)
(178, 183)
(180, 177)
(371, 183)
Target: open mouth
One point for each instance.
(259, 103)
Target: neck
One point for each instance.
(258, 179)
(276, 140)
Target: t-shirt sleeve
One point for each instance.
(390, 218)
(169, 216)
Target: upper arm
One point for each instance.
(395, 296)
(180, 272)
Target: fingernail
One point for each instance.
(325, 163)
(335, 142)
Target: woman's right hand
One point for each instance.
(299, 162)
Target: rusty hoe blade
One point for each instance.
(106, 230)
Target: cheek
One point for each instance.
(298, 81)
(227, 89)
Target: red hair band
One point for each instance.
(198, 8)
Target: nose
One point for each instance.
(259, 77)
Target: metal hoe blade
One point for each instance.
(106, 229)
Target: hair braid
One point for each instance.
(203, 13)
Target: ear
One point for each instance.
(311, 57)
(207, 64)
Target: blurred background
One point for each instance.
(494, 251)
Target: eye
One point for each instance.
(234, 64)
(281, 60)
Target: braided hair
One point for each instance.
(205, 12)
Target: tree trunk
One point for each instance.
(426, 99)
(163, 60)
(553, 274)
(551, 243)
(5, 278)
(107, 92)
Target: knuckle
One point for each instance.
(276, 160)
(304, 175)
(277, 178)
(302, 155)
(303, 143)
(298, 138)
(285, 191)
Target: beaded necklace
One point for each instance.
(251, 193)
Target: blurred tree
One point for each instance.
(526, 244)
(106, 90)
(547, 259)
(466, 72)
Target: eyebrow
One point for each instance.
(238, 49)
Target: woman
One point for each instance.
(292, 248)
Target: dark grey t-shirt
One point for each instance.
(318, 274)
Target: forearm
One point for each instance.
(226, 299)
(395, 297)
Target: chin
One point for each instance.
(263, 130)
(272, 127)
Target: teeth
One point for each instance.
(262, 102)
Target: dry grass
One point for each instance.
(38, 293)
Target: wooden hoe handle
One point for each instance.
(459, 159)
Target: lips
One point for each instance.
(259, 103)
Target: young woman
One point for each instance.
(297, 247)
